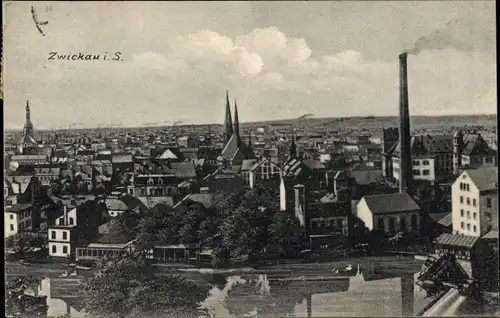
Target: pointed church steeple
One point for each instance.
(236, 124)
(228, 124)
(28, 115)
(293, 148)
(250, 140)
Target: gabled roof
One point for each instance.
(167, 154)
(390, 203)
(484, 178)
(475, 144)
(446, 220)
(19, 184)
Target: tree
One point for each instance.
(127, 286)
(244, 234)
(287, 237)
(24, 241)
(17, 303)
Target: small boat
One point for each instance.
(83, 268)
(348, 268)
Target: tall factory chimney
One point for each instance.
(405, 163)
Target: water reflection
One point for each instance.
(62, 296)
(362, 293)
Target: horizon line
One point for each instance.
(253, 122)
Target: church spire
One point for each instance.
(228, 125)
(28, 116)
(236, 124)
(250, 140)
(293, 148)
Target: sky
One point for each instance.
(278, 60)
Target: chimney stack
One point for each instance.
(405, 167)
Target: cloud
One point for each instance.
(274, 47)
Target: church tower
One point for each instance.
(28, 138)
(237, 125)
(228, 124)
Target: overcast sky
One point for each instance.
(279, 60)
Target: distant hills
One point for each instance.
(368, 122)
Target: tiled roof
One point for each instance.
(366, 177)
(389, 203)
(491, 235)
(475, 144)
(313, 164)
(206, 199)
(247, 164)
(121, 158)
(484, 178)
(457, 240)
(446, 220)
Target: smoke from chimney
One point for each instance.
(463, 34)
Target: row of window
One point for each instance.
(425, 172)
(71, 221)
(44, 178)
(464, 186)
(53, 235)
(155, 192)
(474, 215)
(424, 162)
(24, 225)
(474, 203)
(474, 228)
(327, 223)
(402, 222)
(64, 249)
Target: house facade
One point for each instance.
(475, 202)
(390, 213)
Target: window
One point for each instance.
(474, 216)
(71, 221)
(54, 249)
(462, 225)
(468, 227)
(416, 172)
(474, 203)
(402, 222)
(12, 227)
(475, 229)
(65, 250)
(416, 162)
(380, 223)
(11, 216)
(426, 162)
(53, 235)
(468, 201)
(65, 235)
(426, 172)
(461, 199)
(468, 187)
(488, 202)
(61, 221)
(462, 212)
(392, 227)
(414, 222)
(461, 186)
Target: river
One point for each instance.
(360, 291)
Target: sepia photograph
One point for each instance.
(232, 159)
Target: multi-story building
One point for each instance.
(20, 218)
(435, 158)
(62, 235)
(475, 202)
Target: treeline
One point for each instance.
(239, 227)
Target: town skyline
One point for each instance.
(269, 56)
